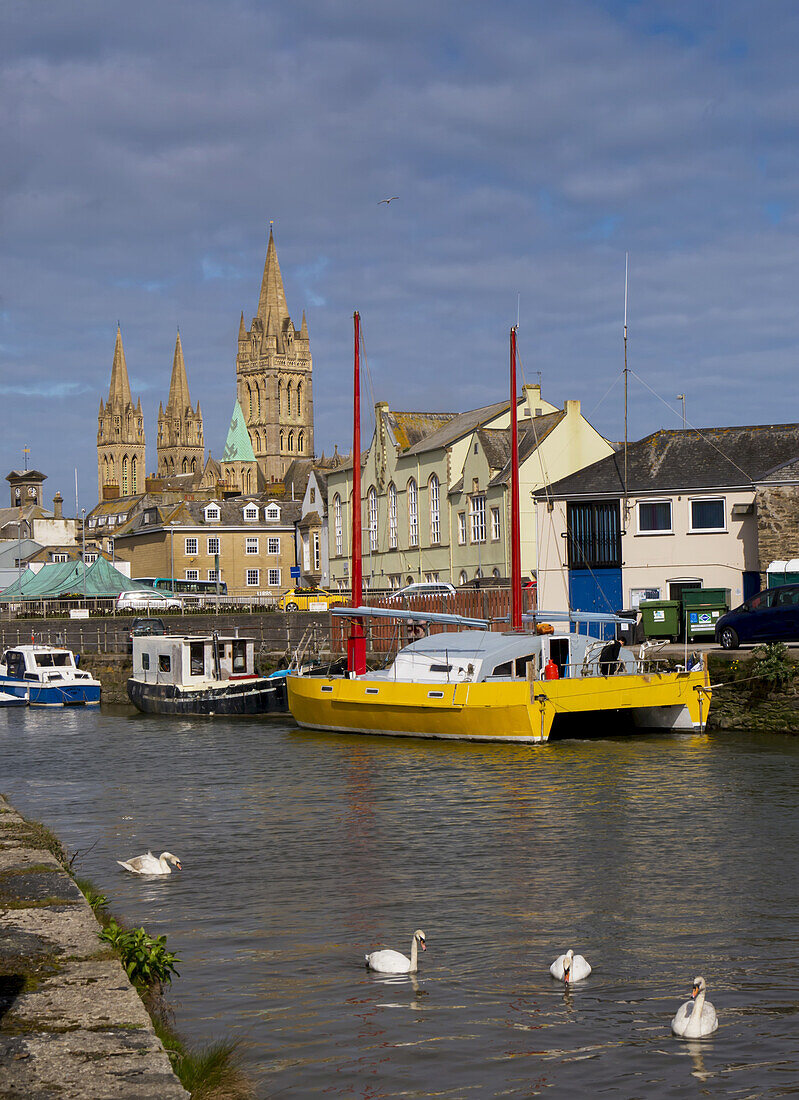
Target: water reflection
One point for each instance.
(657, 857)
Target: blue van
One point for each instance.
(770, 616)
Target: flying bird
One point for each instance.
(387, 201)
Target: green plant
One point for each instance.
(145, 958)
(98, 901)
(772, 665)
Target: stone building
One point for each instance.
(273, 379)
(180, 427)
(120, 434)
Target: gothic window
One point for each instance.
(299, 399)
(249, 398)
(372, 508)
(185, 465)
(125, 476)
(337, 522)
(134, 471)
(194, 465)
(280, 398)
(288, 399)
(291, 441)
(392, 516)
(300, 442)
(282, 442)
(435, 509)
(413, 513)
(258, 395)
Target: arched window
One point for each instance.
(282, 442)
(185, 467)
(462, 579)
(246, 483)
(392, 516)
(371, 498)
(249, 398)
(337, 522)
(478, 574)
(300, 442)
(288, 399)
(434, 493)
(291, 442)
(413, 514)
(194, 465)
(299, 399)
(106, 478)
(258, 395)
(280, 397)
(495, 573)
(125, 476)
(255, 439)
(134, 471)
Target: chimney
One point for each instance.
(58, 505)
(572, 408)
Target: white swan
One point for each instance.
(696, 1018)
(570, 968)
(148, 864)
(394, 962)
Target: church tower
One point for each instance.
(180, 427)
(120, 435)
(273, 379)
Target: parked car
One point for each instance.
(770, 616)
(424, 588)
(146, 598)
(144, 627)
(308, 599)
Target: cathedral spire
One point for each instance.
(273, 297)
(120, 385)
(179, 399)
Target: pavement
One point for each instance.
(72, 1026)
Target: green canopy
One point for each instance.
(67, 578)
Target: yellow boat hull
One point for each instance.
(516, 710)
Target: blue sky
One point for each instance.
(146, 147)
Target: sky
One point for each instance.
(145, 148)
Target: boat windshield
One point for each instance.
(53, 660)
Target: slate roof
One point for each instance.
(705, 458)
(456, 426)
(191, 513)
(411, 428)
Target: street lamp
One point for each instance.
(681, 397)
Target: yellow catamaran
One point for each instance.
(480, 685)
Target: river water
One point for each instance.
(658, 857)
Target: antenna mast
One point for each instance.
(624, 517)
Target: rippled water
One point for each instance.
(658, 857)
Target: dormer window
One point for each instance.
(251, 512)
(272, 512)
(212, 513)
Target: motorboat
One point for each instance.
(201, 675)
(46, 676)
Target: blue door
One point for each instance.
(596, 590)
(751, 584)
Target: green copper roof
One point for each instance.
(238, 447)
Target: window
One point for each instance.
(413, 513)
(337, 521)
(495, 528)
(196, 664)
(392, 516)
(251, 512)
(593, 534)
(212, 513)
(317, 555)
(213, 546)
(273, 545)
(371, 500)
(461, 528)
(60, 557)
(273, 577)
(239, 656)
(191, 548)
(462, 579)
(251, 546)
(477, 508)
(434, 491)
(145, 661)
(273, 512)
(654, 518)
(164, 662)
(253, 578)
(708, 515)
(192, 574)
(213, 574)
(125, 476)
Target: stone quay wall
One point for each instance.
(71, 1024)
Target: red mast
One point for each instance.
(356, 643)
(515, 533)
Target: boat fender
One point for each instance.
(551, 670)
(544, 628)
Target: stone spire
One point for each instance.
(272, 303)
(119, 389)
(179, 399)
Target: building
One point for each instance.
(247, 543)
(701, 508)
(273, 379)
(436, 489)
(28, 519)
(120, 434)
(181, 448)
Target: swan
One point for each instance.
(148, 864)
(570, 968)
(394, 962)
(696, 1018)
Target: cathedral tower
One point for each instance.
(180, 427)
(273, 378)
(120, 435)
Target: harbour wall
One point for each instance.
(71, 1024)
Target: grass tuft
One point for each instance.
(209, 1073)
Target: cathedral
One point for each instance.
(272, 421)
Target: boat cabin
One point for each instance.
(477, 656)
(192, 660)
(40, 664)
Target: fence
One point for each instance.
(385, 635)
(48, 608)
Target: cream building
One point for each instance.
(436, 490)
